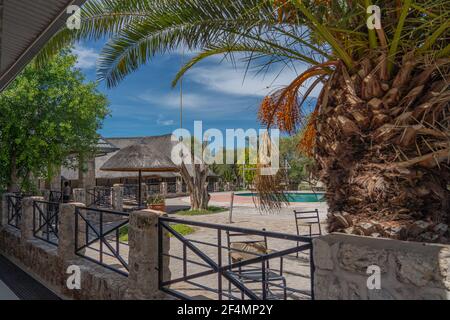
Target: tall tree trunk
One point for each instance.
(13, 185)
(197, 185)
(383, 148)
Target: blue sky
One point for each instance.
(216, 92)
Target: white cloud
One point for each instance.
(87, 57)
(228, 79)
(191, 101)
(162, 122)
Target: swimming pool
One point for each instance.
(294, 196)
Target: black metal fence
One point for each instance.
(14, 210)
(103, 237)
(234, 263)
(45, 221)
(101, 197)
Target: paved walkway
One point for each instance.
(246, 205)
(15, 284)
(6, 293)
(296, 270)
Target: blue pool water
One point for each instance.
(295, 197)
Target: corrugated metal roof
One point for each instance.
(26, 25)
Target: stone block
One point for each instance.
(143, 255)
(322, 255)
(26, 221)
(330, 287)
(66, 226)
(410, 270)
(424, 270)
(359, 258)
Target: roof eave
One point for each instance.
(30, 52)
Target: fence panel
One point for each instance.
(101, 197)
(105, 235)
(45, 221)
(14, 210)
(226, 262)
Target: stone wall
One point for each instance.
(48, 263)
(409, 270)
(41, 261)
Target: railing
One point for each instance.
(14, 210)
(55, 196)
(253, 271)
(100, 197)
(45, 221)
(103, 237)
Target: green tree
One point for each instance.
(226, 172)
(299, 166)
(48, 113)
(246, 172)
(380, 131)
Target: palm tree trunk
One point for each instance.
(382, 152)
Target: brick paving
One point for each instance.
(295, 270)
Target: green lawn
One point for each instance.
(211, 210)
(123, 234)
(182, 229)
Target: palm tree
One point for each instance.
(380, 130)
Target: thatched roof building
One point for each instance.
(139, 157)
(161, 145)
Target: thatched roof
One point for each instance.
(139, 157)
(162, 144)
(104, 147)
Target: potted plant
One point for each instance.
(156, 202)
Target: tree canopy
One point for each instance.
(48, 113)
